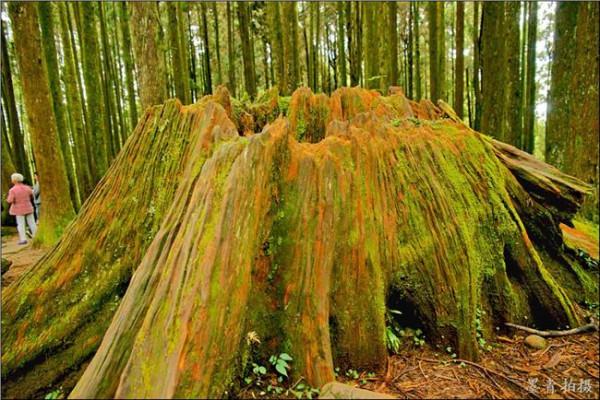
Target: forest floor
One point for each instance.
(22, 257)
(569, 367)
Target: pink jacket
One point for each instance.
(19, 197)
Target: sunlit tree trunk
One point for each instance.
(151, 73)
(96, 109)
(10, 111)
(459, 83)
(127, 52)
(42, 123)
(530, 87)
(392, 56)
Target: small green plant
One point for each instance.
(301, 391)
(418, 338)
(393, 332)
(396, 122)
(479, 330)
(280, 363)
(55, 394)
(352, 374)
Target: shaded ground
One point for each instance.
(567, 368)
(22, 257)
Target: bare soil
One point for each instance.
(22, 256)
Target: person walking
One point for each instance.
(37, 199)
(19, 197)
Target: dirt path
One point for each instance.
(22, 257)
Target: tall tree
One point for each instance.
(372, 40)
(392, 40)
(354, 15)
(217, 42)
(436, 50)
(10, 109)
(572, 128)
(150, 64)
(178, 61)
(93, 88)
(460, 60)
(75, 107)
(51, 57)
(530, 86)
(247, 53)
(230, 52)
(493, 69)
(513, 111)
(341, 48)
(206, 48)
(476, 66)
(290, 42)
(417, 40)
(127, 54)
(42, 124)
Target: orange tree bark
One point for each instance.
(42, 125)
(390, 204)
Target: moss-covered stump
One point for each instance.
(382, 203)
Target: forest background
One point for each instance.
(525, 73)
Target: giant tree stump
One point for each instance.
(303, 233)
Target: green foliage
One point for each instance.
(392, 331)
(55, 394)
(352, 374)
(280, 363)
(479, 330)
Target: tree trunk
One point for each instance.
(572, 128)
(10, 109)
(50, 56)
(341, 56)
(213, 255)
(530, 86)
(126, 51)
(42, 125)
(514, 86)
(93, 84)
(217, 42)
(476, 66)
(459, 83)
(150, 65)
(75, 108)
(206, 46)
(434, 73)
(292, 50)
(230, 52)
(494, 72)
(417, 40)
(372, 40)
(247, 51)
(392, 55)
(178, 60)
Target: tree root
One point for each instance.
(592, 326)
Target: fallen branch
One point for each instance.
(592, 326)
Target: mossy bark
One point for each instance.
(573, 126)
(150, 64)
(45, 10)
(383, 202)
(42, 124)
(92, 75)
